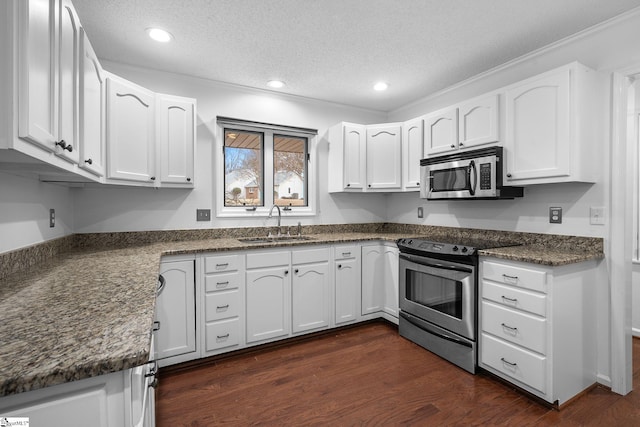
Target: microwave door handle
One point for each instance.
(472, 189)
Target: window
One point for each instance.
(264, 165)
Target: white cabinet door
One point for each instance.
(384, 163)
(69, 37)
(478, 121)
(176, 133)
(373, 292)
(130, 131)
(268, 303)
(412, 152)
(175, 310)
(310, 296)
(92, 105)
(347, 288)
(354, 160)
(38, 95)
(538, 128)
(441, 131)
(390, 261)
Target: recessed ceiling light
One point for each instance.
(380, 86)
(276, 84)
(159, 35)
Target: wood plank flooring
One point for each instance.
(364, 376)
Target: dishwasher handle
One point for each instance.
(162, 282)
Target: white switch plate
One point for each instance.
(596, 215)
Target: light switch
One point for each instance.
(596, 215)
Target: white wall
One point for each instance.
(126, 209)
(24, 211)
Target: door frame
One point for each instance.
(620, 244)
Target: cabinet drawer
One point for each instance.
(535, 280)
(307, 256)
(215, 264)
(268, 259)
(221, 334)
(514, 326)
(221, 305)
(516, 363)
(346, 252)
(515, 298)
(221, 282)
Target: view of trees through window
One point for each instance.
(244, 160)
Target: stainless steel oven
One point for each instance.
(438, 300)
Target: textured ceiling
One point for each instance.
(336, 50)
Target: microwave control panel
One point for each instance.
(485, 176)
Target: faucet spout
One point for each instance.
(279, 215)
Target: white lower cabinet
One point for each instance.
(380, 279)
(347, 280)
(222, 303)
(536, 326)
(113, 400)
(310, 286)
(175, 326)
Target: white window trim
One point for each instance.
(223, 211)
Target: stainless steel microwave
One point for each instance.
(475, 174)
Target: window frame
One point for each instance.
(268, 131)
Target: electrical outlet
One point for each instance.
(555, 215)
(52, 218)
(203, 214)
(596, 215)
(420, 212)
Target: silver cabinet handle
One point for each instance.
(510, 278)
(224, 264)
(513, 365)
(222, 336)
(222, 307)
(346, 253)
(156, 326)
(162, 282)
(513, 300)
(511, 328)
(221, 284)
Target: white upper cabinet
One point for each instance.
(176, 131)
(412, 152)
(478, 121)
(92, 107)
(441, 131)
(384, 156)
(48, 89)
(549, 134)
(347, 159)
(130, 132)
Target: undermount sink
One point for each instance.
(273, 239)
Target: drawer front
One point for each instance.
(517, 327)
(222, 305)
(217, 264)
(514, 362)
(535, 280)
(345, 252)
(225, 333)
(307, 256)
(515, 298)
(268, 259)
(221, 282)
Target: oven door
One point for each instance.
(440, 292)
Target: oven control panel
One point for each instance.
(428, 247)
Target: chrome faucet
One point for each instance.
(279, 216)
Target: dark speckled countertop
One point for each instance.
(83, 305)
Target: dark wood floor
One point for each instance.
(367, 375)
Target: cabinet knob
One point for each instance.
(461, 144)
(61, 143)
(369, 185)
(508, 175)
(339, 265)
(417, 183)
(89, 161)
(188, 179)
(153, 178)
(286, 272)
(453, 146)
(348, 185)
(69, 148)
(296, 271)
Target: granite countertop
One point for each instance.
(89, 310)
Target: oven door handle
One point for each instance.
(423, 326)
(420, 260)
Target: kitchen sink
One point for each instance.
(274, 239)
